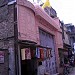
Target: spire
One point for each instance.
(46, 4)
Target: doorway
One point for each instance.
(28, 61)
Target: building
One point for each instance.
(71, 33)
(71, 30)
(66, 51)
(25, 29)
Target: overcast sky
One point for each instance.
(65, 10)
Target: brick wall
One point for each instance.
(6, 38)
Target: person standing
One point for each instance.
(41, 69)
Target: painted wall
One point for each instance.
(59, 44)
(51, 26)
(29, 22)
(26, 23)
(47, 40)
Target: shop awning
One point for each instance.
(31, 43)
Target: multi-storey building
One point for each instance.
(28, 35)
(66, 51)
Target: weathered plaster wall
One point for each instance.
(7, 40)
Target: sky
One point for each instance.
(65, 10)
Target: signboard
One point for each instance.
(1, 56)
(23, 54)
(27, 53)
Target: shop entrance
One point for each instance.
(28, 61)
(28, 67)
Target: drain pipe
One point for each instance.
(16, 40)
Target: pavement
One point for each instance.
(72, 72)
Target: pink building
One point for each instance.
(34, 24)
(32, 20)
(28, 36)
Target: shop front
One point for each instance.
(27, 57)
(31, 54)
(47, 40)
(43, 55)
(65, 54)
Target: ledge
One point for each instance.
(40, 12)
(26, 4)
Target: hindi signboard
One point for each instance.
(1, 56)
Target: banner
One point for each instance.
(27, 53)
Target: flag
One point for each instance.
(46, 4)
